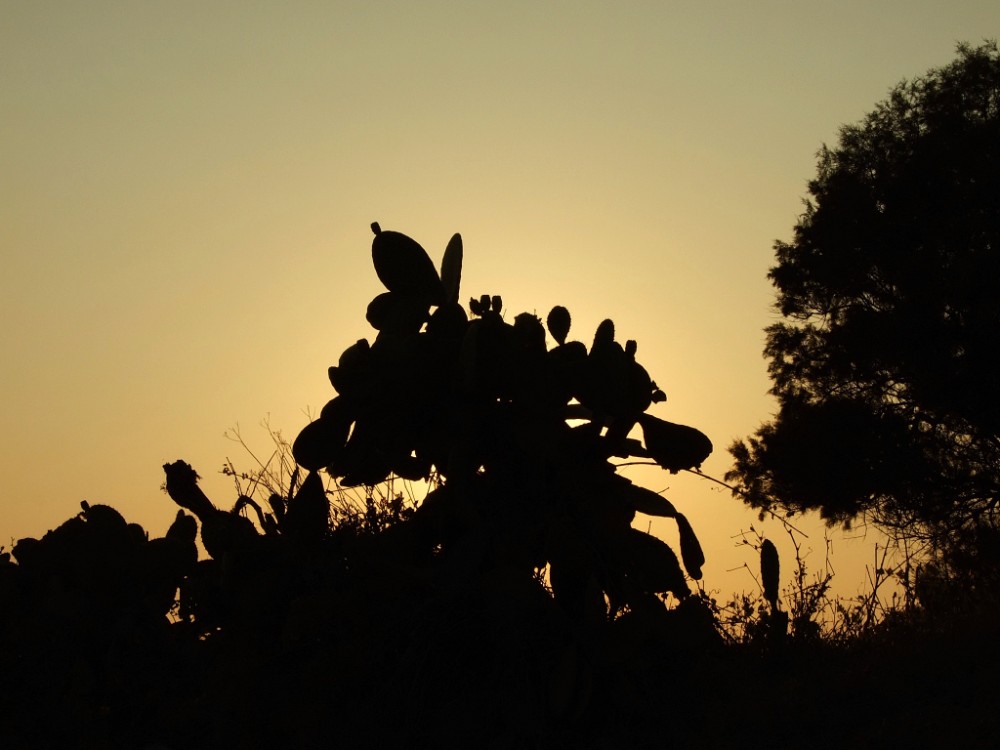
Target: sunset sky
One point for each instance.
(186, 190)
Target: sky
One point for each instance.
(186, 191)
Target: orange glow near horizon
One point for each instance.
(188, 190)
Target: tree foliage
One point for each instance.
(886, 361)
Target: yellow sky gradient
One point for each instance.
(186, 190)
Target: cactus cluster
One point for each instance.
(516, 595)
(515, 426)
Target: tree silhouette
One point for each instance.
(887, 359)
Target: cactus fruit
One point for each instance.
(486, 304)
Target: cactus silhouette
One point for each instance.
(512, 594)
(479, 407)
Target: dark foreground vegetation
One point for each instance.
(348, 643)
(447, 556)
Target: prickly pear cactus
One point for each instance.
(514, 430)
